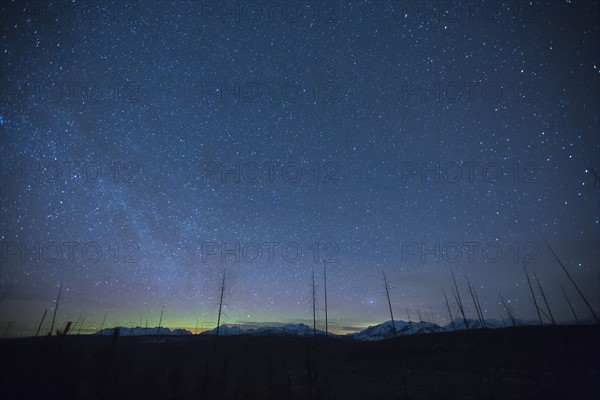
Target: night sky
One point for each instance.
(146, 147)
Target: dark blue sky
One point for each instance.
(161, 133)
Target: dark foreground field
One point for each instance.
(517, 363)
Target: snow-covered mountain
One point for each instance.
(226, 330)
(138, 331)
(386, 330)
(287, 329)
(376, 332)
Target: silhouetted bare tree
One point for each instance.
(458, 299)
(160, 320)
(508, 311)
(221, 301)
(551, 317)
(104, 320)
(537, 308)
(41, 322)
(475, 303)
(325, 286)
(572, 281)
(314, 306)
(449, 312)
(570, 305)
(387, 293)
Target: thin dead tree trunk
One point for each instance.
(314, 306)
(449, 312)
(570, 305)
(510, 315)
(41, 322)
(501, 319)
(55, 309)
(460, 307)
(103, 320)
(221, 303)
(572, 281)
(459, 300)
(545, 299)
(537, 308)
(387, 292)
(160, 320)
(477, 311)
(544, 314)
(325, 285)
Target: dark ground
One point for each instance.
(561, 362)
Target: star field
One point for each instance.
(148, 146)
